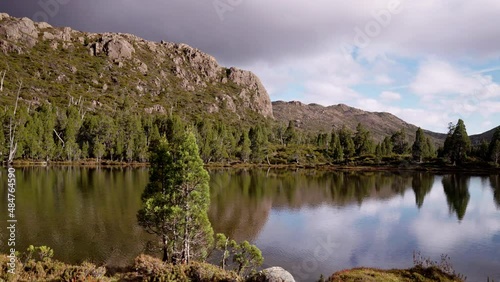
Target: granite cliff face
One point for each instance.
(98, 67)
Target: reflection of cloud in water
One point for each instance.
(361, 235)
(435, 231)
(385, 232)
(371, 219)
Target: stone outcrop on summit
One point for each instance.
(156, 69)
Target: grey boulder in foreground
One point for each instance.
(272, 274)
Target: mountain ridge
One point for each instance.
(313, 117)
(102, 71)
(57, 64)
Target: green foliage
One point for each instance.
(400, 145)
(346, 141)
(259, 143)
(422, 147)
(290, 134)
(457, 145)
(245, 256)
(41, 253)
(176, 199)
(155, 270)
(363, 143)
(244, 146)
(336, 148)
(494, 147)
(36, 264)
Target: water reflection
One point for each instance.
(373, 218)
(242, 200)
(495, 185)
(421, 184)
(456, 188)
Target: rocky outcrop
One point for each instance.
(272, 274)
(255, 95)
(118, 49)
(14, 30)
(148, 67)
(23, 30)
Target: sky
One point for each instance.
(430, 62)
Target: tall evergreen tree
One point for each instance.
(71, 129)
(244, 147)
(48, 118)
(387, 147)
(337, 150)
(419, 149)
(259, 144)
(399, 142)
(458, 145)
(345, 136)
(176, 200)
(362, 141)
(291, 134)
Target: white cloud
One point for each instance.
(390, 96)
(441, 78)
(383, 79)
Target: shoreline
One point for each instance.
(403, 166)
(150, 268)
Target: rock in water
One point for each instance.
(272, 274)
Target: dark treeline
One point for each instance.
(49, 133)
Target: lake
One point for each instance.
(309, 222)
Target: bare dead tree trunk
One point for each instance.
(12, 129)
(3, 78)
(165, 248)
(225, 255)
(59, 138)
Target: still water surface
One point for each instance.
(308, 222)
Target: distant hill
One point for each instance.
(487, 136)
(314, 117)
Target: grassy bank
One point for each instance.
(395, 275)
(146, 268)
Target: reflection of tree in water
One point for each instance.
(241, 201)
(456, 188)
(495, 185)
(421, 184)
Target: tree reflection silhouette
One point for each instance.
(421, 185)
(495, 185)
(456, 188)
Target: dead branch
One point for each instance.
(59, 138)
(1, 81)
(12, 129)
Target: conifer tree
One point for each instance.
(176, 200)
(457, 144)
(290, 134)
(244, 147)
(419, 148)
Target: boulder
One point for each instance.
(43, 25)
(3, 16)
(272, 274)
(23, 30)
(118, 49)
